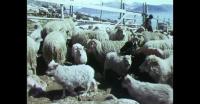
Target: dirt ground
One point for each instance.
(54, 94)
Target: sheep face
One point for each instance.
(76, 47)
(127, 63)
(120, 33)
(151, 65)
(129, 48)
(52, 66)
(92, 45)
(126, 83)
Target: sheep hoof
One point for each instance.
(63, 96)
(84, 94)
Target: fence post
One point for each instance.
(62, 11)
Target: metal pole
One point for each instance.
(146, 7)
(72, 10)
(101, 12)
(143, 13)
(123, 13)
(120, 15)
(62, 13)
(157, 22)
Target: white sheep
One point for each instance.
(161, 70)
(67, 27)
(164, 53)
(82, 39)
(32, 9)
(54, 47)
(100, 49)
(94, 34)
(43, 11)
(33, 81)
(118, 63)
(82, 36)
(160, 44)
(79, 54)
(153, 36)
(148, 93)
(118, 33)
(31, 55)
(36, 35)
(74, 76)
(100, 35)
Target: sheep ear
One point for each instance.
(55, 65)
(88, 41)
(34, 86)
(128, 80)
(85, 48)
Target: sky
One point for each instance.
(154, 2)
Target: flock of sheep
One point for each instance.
(49, 11)
(140, 61)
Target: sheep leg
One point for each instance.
(71, 91)
(87, 89)
(104, 74)
(34, 71)
(63, 95)
(95, 85)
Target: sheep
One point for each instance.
(140, 30)
(36, 35)
(82, 39)
(118, 34)
(161, 70)
(31, 55)
(129, 47)
(97, 51)
(100, 49)
(95, 34)
(100, 35)
(153, 36)
(138, 57)
(118, 63)
(66, 26)
(148, 93)
(43, 11)
(71, 77)
(79, 54)
(32, 10)
(54, 47)
(34, 82)
(161, 44)
(164, 53)
(133, 48)
(82, 36)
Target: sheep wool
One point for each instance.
(74, 76)
(31, 55)
(148, 93)
(54, 47)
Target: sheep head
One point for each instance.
(127, 61)
(151, 65)
(52, 66)
(93, 45)
(129, 48)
